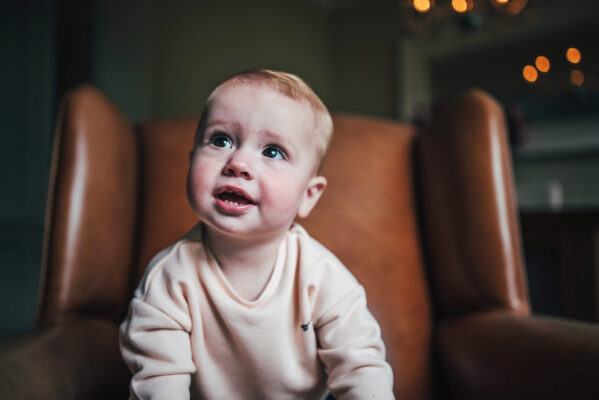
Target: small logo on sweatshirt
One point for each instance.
(305, 326)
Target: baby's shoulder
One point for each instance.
(318, 265)
(176, 263)
(324, 282)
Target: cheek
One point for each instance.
(199, 180)
(283, 193)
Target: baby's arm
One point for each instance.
(155, 341)
(352, 350)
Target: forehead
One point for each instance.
(259, 104)
(257, 97)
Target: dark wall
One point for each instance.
(364, 58)
(27, 112)
(155, 59)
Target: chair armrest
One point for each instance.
(79, 359)
(504, 355)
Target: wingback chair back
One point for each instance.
(424, 217)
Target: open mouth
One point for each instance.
(234, 197)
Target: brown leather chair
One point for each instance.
(425, 217)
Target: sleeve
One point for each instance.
(155, 340)
(352, 351)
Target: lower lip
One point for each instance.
(234, 209)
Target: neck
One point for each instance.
(247, 264)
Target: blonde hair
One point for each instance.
(289, 85)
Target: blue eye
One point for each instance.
(222, 141)
(274, 152)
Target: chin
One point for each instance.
(242, 231)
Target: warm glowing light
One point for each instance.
(577, 77)
(422, 6)
(509, 7)
(460, 6)
(542, 63)
(530, 73)
(573, 55)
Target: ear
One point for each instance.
(316, 186)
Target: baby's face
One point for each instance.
(253, 168)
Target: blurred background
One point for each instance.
(385, 58)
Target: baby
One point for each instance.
(247, 305)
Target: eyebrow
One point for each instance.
(221, 123)
(276, 138)
(272, 135)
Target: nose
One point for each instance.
(238, 165)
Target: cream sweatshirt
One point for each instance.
(189, 335)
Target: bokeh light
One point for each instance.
(573, 55)
(509, 7)
(422, 6)
(462, 6)
(459, 5)
(577, 77)
(542, 63)
(530, 73)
